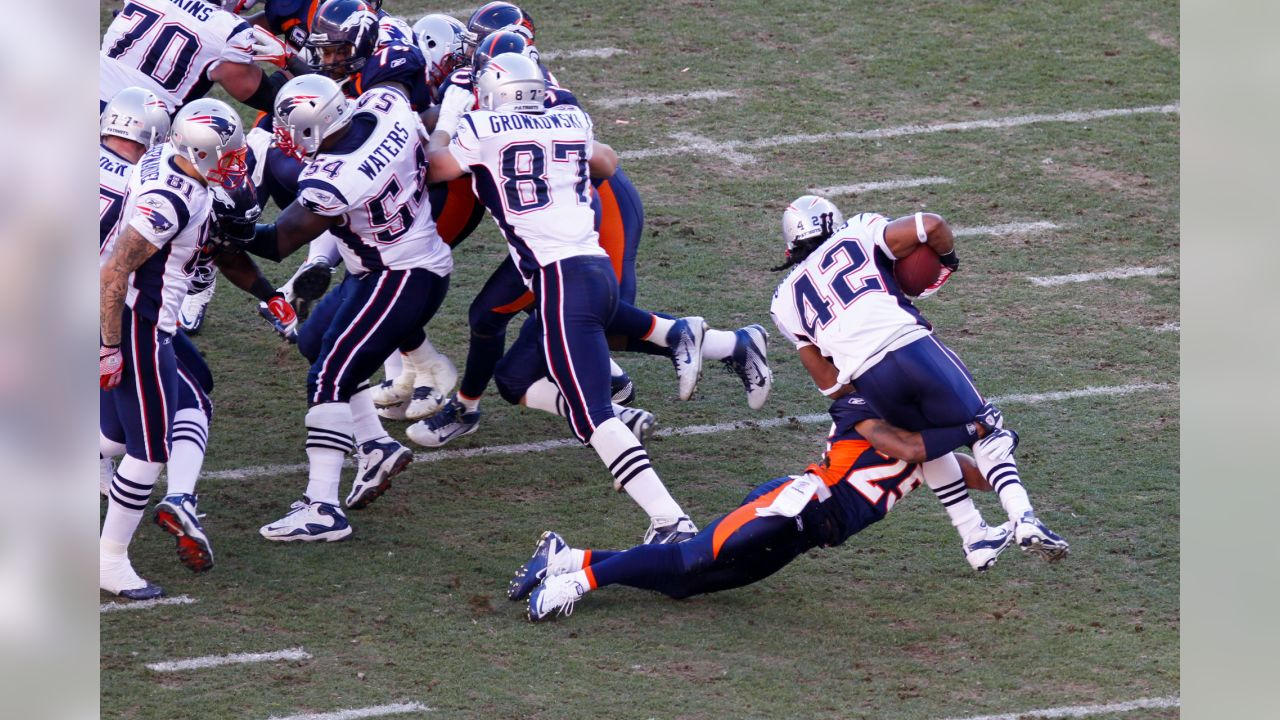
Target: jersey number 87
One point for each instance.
(524, 174)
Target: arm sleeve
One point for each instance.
(159, 215)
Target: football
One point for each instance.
(917, 271)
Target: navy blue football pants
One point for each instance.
(373, 315)
(736, 550)
(920, 386)
(195, 382)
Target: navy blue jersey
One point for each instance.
(395, 63)
(290, 18)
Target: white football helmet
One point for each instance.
(309, 108)
(135, 114)
(439, 37)
(211, 135)
(807, 218)
(511, 82)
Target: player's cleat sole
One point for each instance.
(535, 570)
(194, 549)
(624, 391)
(1036, 539)
(378, 463)
(309, 285)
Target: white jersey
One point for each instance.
(844, 300)
(169, 47)
(113, 184)
(170, 209)
(375, 179)
(530, 171)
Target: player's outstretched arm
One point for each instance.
(295, 227)
(244, 273)
(824, 372)
(905, 234)
(248, 83)
(131, 251)
(603, 162)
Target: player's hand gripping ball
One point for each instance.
(918, 271)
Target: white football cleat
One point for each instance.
(116, 576)
(377, 461)
(385, 395)
(1036, 539)
(983, 546)
(551, 557)
(195, 306)
(669, 531)
(750, 363)
(432, 386)
(309, 521)
(639, 421)
(685, 340)
(556, 595)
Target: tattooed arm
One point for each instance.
(131, 251)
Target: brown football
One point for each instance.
(917, 271)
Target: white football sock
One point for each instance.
(364, 418)
(615, 369)
(658, 333)
(1004, 479)
(393, 366)
(468, 404)
(629, 464)
(186, 454)
(109, 448)
(127, 501)
(945, 479)
(329, 427)
(718, 344)
(545, 396)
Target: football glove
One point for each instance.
(456, 103)
(998, 446)
(943, 275)
(110, 366)
(268, 48)
(280, 314)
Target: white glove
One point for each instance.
(996, 447)
(791, 501)
(268, 48)
(456, 103)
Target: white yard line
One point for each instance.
(235, 659)
(144, 604)
(859, 188)
(249, 473)
(684, 147)
(604, 52)
(1076, 711)
(1006, 229)
(669, 97)
(356, 713)
(1113, 274)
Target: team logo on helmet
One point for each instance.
(224, 127)
(289, 104)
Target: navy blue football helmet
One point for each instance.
(342, 37)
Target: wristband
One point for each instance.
(921, 235)
(833, 389)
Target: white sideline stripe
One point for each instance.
(545, 445)
(1115, 274)
(883, 133)
(209, 661)
(144, 604)
(1006, 229)
(670, 97)
(1170, 327)
(355, 713)
(860, 188)
(1075, 711)
(604, 52)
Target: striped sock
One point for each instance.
(629, 464)
(1006, 482)
(130, 492)
(329, 440)
(186, 456)
(944, 478)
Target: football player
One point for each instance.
(133, 122)
(530, 167)
(841, 307)
(869, 466)
(364, 180)
(178, 49)
(162, 226)
(350, 44)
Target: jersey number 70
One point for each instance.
(813, 305)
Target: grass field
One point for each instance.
(893, 624)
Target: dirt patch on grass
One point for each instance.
(1163, 39)
(1132, 184)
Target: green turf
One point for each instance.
(893, 624)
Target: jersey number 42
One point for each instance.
(837, 281)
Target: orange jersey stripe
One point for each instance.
(839, 460)
(612, 234)
(743, 515)
(516, 306)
